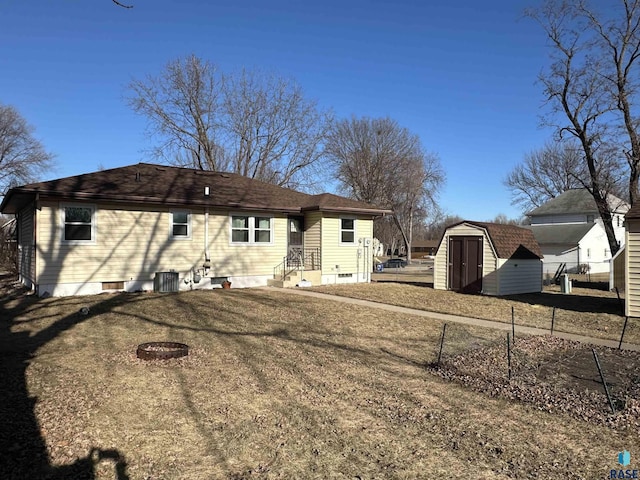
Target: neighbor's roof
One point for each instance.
(509, 241)
(560, 234)
(146, 183)
(577, 200)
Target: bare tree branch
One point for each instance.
(22, 157)
(260, 126)
(121, 4)
(379, 162)
(593, 83)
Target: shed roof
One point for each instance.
(560, 234)
(160, 184)
(509, 241)
(577, 200)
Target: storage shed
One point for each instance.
(488, 258)
(632, 262)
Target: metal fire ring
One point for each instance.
(161, 350)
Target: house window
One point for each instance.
(252, 230)
(181, 225)
(79, 223)
(347, 230)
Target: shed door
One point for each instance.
(465, 264)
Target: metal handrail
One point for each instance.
(307, 260)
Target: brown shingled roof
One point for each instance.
(510, 241)
(158, 184)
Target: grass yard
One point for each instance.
(589, 312)
(276, 386)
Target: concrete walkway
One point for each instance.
(459, 319)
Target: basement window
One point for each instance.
(345, 275)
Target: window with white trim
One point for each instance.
(251, 230)
(79, 223)
(181, 224)
(348, 230)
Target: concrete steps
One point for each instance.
(295, 277)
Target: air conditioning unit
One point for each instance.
(166, 282)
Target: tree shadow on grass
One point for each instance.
(23, 452)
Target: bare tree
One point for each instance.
(22, 157)
(380, 162)
(592, 83)
(252, 124)
(273, 133)
(182, 108)
(545, 173)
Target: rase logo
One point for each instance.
(624, 459)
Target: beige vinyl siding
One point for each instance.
(241, 259)
(336, 254)
(517, 276)
(633, 269)
(132, 244)
(441, 267)
(27, 253)
(313, 230)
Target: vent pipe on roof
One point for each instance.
(206, 191)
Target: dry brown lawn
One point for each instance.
(276, 386)
(585, 311)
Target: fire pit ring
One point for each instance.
(161, 350)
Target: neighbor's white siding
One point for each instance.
(632, 296)
(132, 245)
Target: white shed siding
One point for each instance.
(633, 269)
(440, 277)
(519, 275)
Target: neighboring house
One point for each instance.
(423, 248)
(116, 229)
(488, 258)
(571, 233)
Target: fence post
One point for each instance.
(444, 329)
(624, 328)
(513, 325)
(553, 319)
(604, 382)
(508, 357)
(620, 301)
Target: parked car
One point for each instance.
(395, 263)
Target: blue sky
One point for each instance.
(461, 75)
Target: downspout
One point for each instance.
(207, 259)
